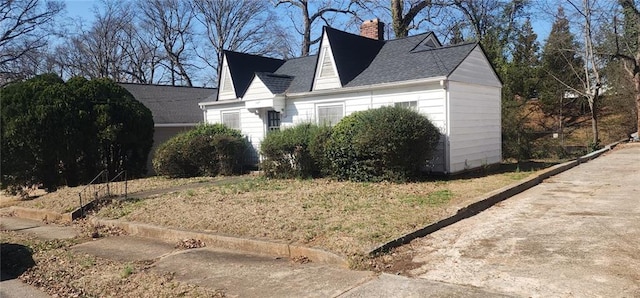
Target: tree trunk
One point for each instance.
(636, 81)
(594, 122)
(306, 37)
(399, 26)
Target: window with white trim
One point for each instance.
(413, 105)
(329, 114)
(231, 119)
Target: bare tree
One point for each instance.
(403, 19)
(24, 28)
(99, 51)
(237, 25)
(590, 79)
(631, 59)
(170, 21)
(324, 10)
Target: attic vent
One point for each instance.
(430, 43)
(327, 66)
(226, 80)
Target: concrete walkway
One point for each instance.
(575, 235)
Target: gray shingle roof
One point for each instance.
(302, 70)
(397, 62)
(276, 83)
(362, 61)
(171, 104)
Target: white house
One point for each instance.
(454, 86)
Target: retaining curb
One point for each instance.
(40, 214)
(490, 199)
(252, 246)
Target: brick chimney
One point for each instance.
(373, 29)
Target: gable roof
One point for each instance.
(171, 104)
(399, 61)
(360, 61)
(243, 67)
(276, 83)
(302, 70)
(351, 53)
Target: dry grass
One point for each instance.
(66, 199)
(344, 217)
(62, 272)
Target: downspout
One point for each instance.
(447, 163)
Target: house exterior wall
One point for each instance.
(475, 136)
(251, 123)
(257, 90)
(430, 100)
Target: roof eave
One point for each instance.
(219, 103)
(369, 87)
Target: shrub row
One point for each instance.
(389, 143)
(207, 150)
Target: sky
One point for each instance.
(83, 9)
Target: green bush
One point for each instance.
(207, 150)
(295, 152)
(389, 143)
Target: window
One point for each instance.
(408, 104)
(231, 119)
(273, 120)
(329, 114)
(327, 66)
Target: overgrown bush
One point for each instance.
(389, 143)
(296, 152)
(207, 150)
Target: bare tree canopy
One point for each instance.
(170, 22)
(323, 10)
(24, 28)
(236, 25)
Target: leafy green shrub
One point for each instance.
(207, 150)
(295, 152)
(389, 143)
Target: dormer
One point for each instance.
(342, 57)
(430, 42)
(238, 70)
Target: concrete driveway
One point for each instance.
(575, 235)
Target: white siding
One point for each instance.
(252, 125)
(326, 76)
(475, 128)
(226, 93)
(257, 90)
(429, 97)
(476, 69)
